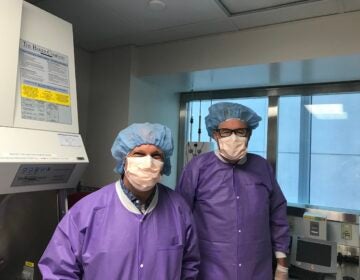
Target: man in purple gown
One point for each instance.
(135, 228)
(238, 207)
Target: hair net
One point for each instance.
(139, 134)
(223, 111)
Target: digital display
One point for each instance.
(313, 253)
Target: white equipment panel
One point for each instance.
(33, 160)
(46, 87)
(40, 148)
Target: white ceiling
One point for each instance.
(100, 24)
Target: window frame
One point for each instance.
(305, 91)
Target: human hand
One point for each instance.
(281, 273)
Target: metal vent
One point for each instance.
(244, 7)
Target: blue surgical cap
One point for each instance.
(223, 111)
(139, 134)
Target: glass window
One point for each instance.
(289, 146)
(318, 157)
(335, 151)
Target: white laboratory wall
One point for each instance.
(305, 39)
(108, 111)
(156, 99)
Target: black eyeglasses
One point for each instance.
(225, 132)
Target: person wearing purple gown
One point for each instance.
(135, 228)
(238, 206)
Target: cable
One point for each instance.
(210, 139)
(199, 129)
(191, 120)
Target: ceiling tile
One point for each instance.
(287, 14)
(186, 31)
(351, 5)
(108, 23)
(245, 6)
(176, 13)
(165, 35)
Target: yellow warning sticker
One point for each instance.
(46, 95)
(29, 264)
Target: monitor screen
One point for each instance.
(314, 253)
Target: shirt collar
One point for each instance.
(128, 199)
(137, 202)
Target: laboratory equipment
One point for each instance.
(325, 244)
(314, 255)
(195, 148)
(40, 144)
(41, 150)
(315, 225)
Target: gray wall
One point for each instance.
(156, 99)
(108, 111)
(83, 78)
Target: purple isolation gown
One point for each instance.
(99, 238)
(240, 215)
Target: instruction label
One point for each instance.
(44, 84)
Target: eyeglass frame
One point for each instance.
(241, 134)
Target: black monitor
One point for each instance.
(314, 255)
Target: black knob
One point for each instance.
(351, 259)
(339, 258)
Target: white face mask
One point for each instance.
(143, 172)
(233, 147)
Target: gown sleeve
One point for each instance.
(61, 258)
(191, 256)
(188, 183)
(278, 217)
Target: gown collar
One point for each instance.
(129, 205)
(240, 162)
